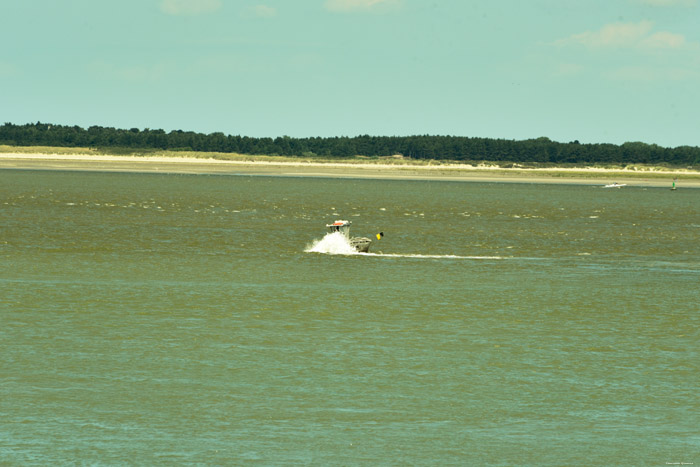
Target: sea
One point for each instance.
(170, 319)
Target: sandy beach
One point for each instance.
(452, 172)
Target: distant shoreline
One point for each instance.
(389, 169)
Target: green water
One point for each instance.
(177, 319)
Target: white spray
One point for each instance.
(333, 243)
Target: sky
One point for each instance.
(596, 71)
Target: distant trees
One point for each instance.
(456, 148)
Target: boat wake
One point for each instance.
(392, 255)
(337, 244)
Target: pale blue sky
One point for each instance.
(589, 70)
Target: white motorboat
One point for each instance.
(361, 244)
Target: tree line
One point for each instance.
(453, 148)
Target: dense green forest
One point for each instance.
(454, 148)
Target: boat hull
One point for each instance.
(361, 244)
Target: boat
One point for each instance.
(615, 185)
(673, 187)
(361, 244)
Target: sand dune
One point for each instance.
(457, 172)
